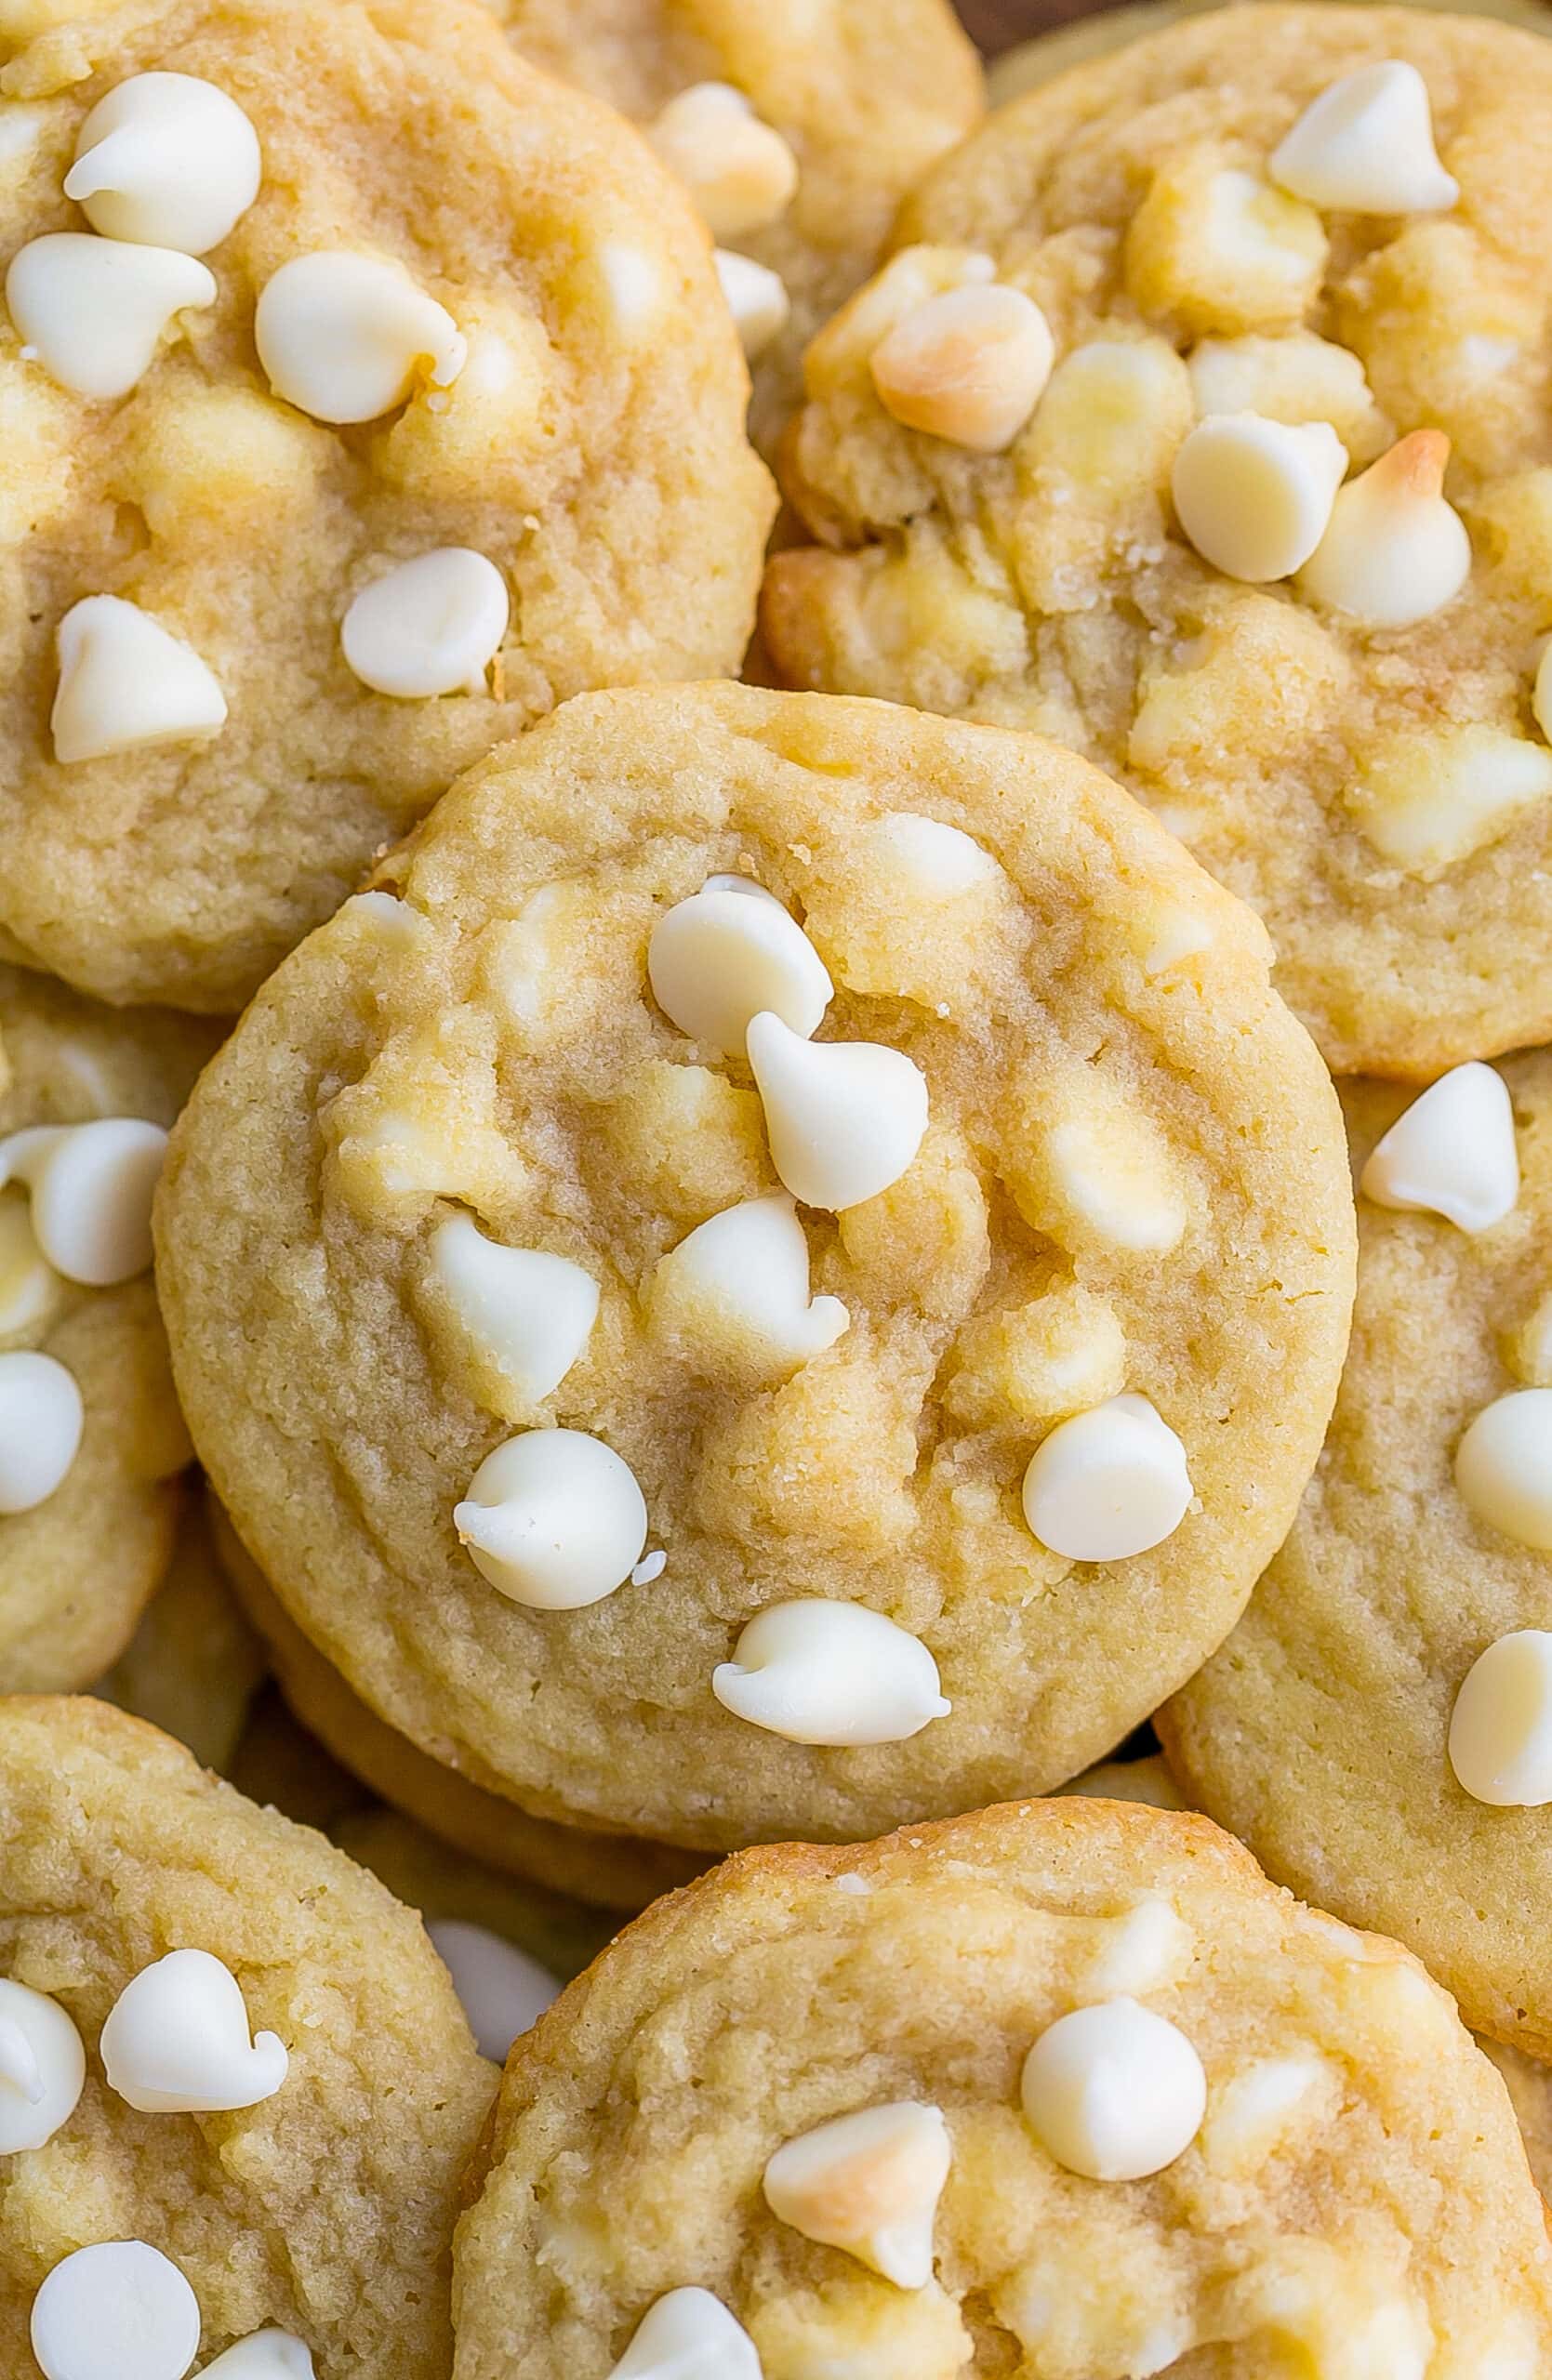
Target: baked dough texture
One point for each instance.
(76, 1570)
(327, 2208)
(1319, 1733)
(866, 94)
(593, 448)
(1050, 586)
(193, 1666)
(1103, 1054)
(1382, 2219)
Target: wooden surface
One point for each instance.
(997, 24)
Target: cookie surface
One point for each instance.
(1351, 748)
(193, 1666)
(325, 2208)
(1321, 1732)
(864, 94)
(1130, 1184)
(1354, 2188)
(80, 1558)
(572, 437)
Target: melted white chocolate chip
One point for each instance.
(1255, 496)
(176, 2041)
(42, 2067)
(1501, 1727)
(735, 1295)
(92, 1186)
(345, 337)
(740, 172)
(818, 1672)
(41, 1422)
(1451, 1154)
(1114, 2091)
(1428, 796)
(432, 626)
(1366, 146)
(524, 1313)
(716, 960)
(845, 1118)
(94, 312)
(968, 365)
(168, 160)
(554, 1519)
(266, 2354)
(125, 681)
(689, 2334)
(501, 1991)
(1504, 1466)
(1108, 1484)
(757, 300)
(1394, 551)
(120, 2310)
(870, 2184)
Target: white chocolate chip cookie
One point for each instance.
(1269, 536)
(251, 2089)
(708, 1441)
(1379, 1725)
(798, 131)
(194, 1665)
(92, 1441)
(361, 396)
(881, 2111)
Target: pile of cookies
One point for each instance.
(734, 1142)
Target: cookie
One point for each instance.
(899, 1408)
(798, 135)
(193, 1666)
(425, 414)
(1377, 1727)
(92, 1441)
(251, 2091)
(608, 1870)
(1198, 419)
(833, 2109)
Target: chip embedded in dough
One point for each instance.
(1108, 1181)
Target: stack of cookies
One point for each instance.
(733, 1139)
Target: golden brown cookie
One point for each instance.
(193, 1666)
(798, 131)
(293, 2094)
(447, 425)
(1075, 461)
(659, 1496)
(1335, 1730)
(1064, 2088)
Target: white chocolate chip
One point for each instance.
(1504, 1466)
(117, 2311)
(1366, 146)
(1108, 1484)
(126, 681)
(265, 2355)
(689, 2334)
(527, 1313)
(821, 1672)
(735, 1292)
(1451, 1154)
(1501, 1727)
(968, 365)
(757, 300)
(1141, 1951)
(1394, 551)
(431, 627)
(92, 1186)
(553, 1519)
(634, 283)
(41, 1422)
(925, 858)
(868, 2183)
(502, 1991)
(176, 2041)
(845, 1118)
(716, 959)
(1255, 496)
(168, 160)
(345, 337)
(1257, 2107)
(94, 312)
(1114, 2091)
(740, 172)
(1427, 797)
(29, 1285)
(42, 2068)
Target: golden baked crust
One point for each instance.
(1384, 2216)
(868, 94)
(446, 1050)
(593, 448)
(1051, 586)
(326, 2209)
(1319, 1731)
(76, 1570)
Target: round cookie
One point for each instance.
(468, 316)
(1091, 1249)
(92, 1441)
(611, 1871)
(1074, 459)
(862, 96)
(1324, 1731)
(1310, 2168)
(323, 2207)
(193, 1666)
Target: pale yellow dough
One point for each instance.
(194, 1665)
